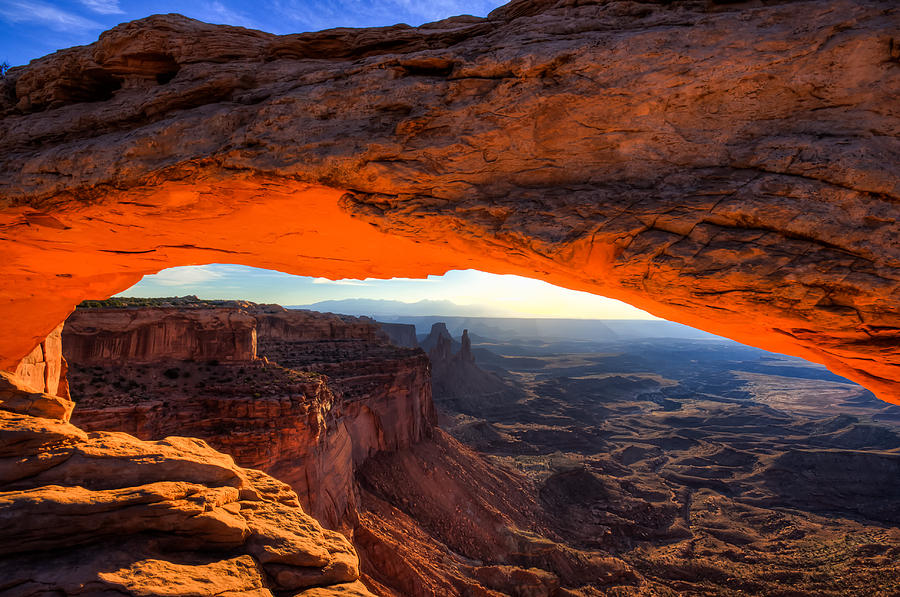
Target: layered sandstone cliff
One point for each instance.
(106, 513)
(44, 369)
(279, 414)
(401, 334)
(725, 165)
(346, 420)
(277, 324)
(385, 390)
(144, 335)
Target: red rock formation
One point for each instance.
(382, 398)
(101, 513)
(457, 382)
(286, 421)
(401, 334)
(384, 390)
(737, 179)
(439, 520)
(277, 324)
(146, 335)
(16, 397)
(439, 342)
(44, 370)
(306, 432)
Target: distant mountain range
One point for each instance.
(378, 308)
(487, 323)
(486, 329)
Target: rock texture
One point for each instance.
(308, 430)
(104, 513)
(458, 384)
(729, 166)
(277, 324)
(440, 520)
(384, 390)
(146, 335)
(401, 334)
(279, 414)
(44, 369)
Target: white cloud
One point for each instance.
(26, 11)
(441, 9)
(185, 276)
(104, 7)
(344, 282)
(311, 15)
(219, 13)
(416, 280)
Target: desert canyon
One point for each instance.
(628, 465)
(728, 165)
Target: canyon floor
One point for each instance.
(709, 467)
(651, 461)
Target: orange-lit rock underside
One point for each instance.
(734, 169)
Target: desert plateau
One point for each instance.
(560, 298)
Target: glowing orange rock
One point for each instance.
(44, 368)
(740, 179)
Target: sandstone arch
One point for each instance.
(730, 167)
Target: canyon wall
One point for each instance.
(346, 420)
(279, 414)
(275, 323)
(458, 384)
(725, 165)
(385, 389)
(144, 335)
(382, 397)
(401, 334)
(106, 513)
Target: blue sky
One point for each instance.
(33, 28)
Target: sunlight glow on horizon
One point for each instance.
(473, 291)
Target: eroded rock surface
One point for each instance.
(106, 513)
(279, 413)
(112, 337)
(729, 166)
(44, 369)
(427, 515)
(458, 384)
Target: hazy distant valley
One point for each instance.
(709, 466)
(570, 457)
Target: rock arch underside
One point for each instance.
(731, 166)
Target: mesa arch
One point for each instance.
(732, 167)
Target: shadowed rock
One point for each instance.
(727, 166)
(110, 513)
(279, 413)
